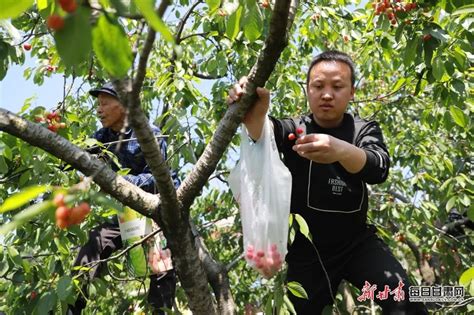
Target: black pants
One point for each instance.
(370, 261)
(103, 241)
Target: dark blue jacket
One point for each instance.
(131, 156)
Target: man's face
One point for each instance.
(329, 91)
(111, 112)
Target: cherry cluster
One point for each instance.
(299, 132)
(52, 120)
(66, 216)
(389, 8)
(56, 21)
(267, 263)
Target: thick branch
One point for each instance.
(175, 225)
(274, 45)
(106, 178)
(217, 277)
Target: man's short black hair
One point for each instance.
(333, 55)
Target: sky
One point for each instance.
(14, 88)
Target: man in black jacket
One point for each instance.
(333, 158)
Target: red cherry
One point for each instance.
(26, 46)
(33, 295)
(291, 137)
(76, 216)
(53, 128)
(62, 213)
(85, 208)
(55, 22)
(68, 5)
(62, 224)
(427, 37)
(299, 130)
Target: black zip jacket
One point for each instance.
(331, 200)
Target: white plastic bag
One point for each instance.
(261, 184)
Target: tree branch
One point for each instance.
(107, 179)
(171, 218)
(274, 45)
(183, 21)
(217, 277)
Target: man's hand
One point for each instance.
(326, 149)
(255, 116)
(320, 148)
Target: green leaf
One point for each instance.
(21, 198)
(13, 8)
(304, 229)
(289, 305)
(26, 215)
(148, 11)
(297, 290)
(458, 116)
(42, 4)
(3, 167)
(253, 23)
(213, 5)
(64, 288)
(450, 203)
(125, 7)
(439, 34)
(3, 267)
(438, 68)
(14, 255)
(399, 84)
(112, 47)
(467, 9)
(233, 24)
(410, 50)
(74, 40)
(466, 277)
(47, 302)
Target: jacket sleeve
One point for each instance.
(376, 168)
(281, 129)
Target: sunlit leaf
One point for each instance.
(148, 11)
(13, 8)
(233, 24)
(112, 47)
(74, 40)
(458, 116)
(21, 198)
(304, 229)
(253, 23)
(297, 289)
(466, 277)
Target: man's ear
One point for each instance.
(352, 92)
